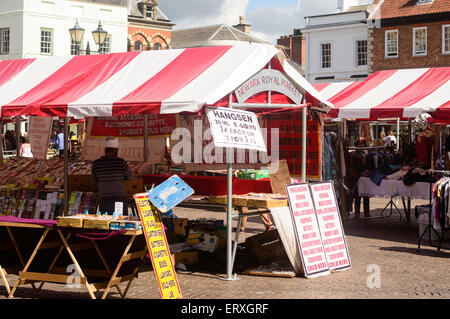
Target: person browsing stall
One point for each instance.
(110, 172)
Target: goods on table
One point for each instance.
(105, 222)
(29, 203)
(25, 172)
(253, 174)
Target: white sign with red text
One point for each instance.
(39, 135)
(330, 225)
(307, 230)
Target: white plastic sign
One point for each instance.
(330, 225)
(307, 230)
(235, 129)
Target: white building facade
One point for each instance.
(33, 28)
(336, 44)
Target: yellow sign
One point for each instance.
(158, 248)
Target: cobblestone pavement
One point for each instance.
(388, 243)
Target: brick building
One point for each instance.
(409, 34)
(148, 27)
(294, 46)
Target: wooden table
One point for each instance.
(10, 243)
(56, 241)
(262, 202)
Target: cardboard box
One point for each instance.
(75, 221)
(97, 223)
(185, 257)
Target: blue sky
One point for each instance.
(269, 19)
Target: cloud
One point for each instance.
(194, 13)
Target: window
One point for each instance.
(446, 39)
(138, 46)
(73, 47)
(424, 2)
(391, 44)
(420, 41)
(157, 46)
(46, 41)
(4, 41)
(325, 55)
(149, 12)
(361, 52)
(106, 46)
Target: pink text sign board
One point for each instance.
(330, 226)
(307, 230)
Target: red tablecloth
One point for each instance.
(42, 222)
(215, 185)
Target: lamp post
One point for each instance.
(99, 35)
(76, 34)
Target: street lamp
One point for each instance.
(99, 35)
(76, 34)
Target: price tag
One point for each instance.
(169, 193)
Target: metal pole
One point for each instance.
(229, 212)
(145, 137)
(229, 157)
(398, 134)
(66, 165)
(304, 144)
(1, 142)
(17, 127)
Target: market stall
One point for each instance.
(419, 98)
(173, 81)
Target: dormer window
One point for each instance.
(424, 1)
(149, 12)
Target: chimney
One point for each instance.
(242, 26)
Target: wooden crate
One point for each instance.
(250, 201)
(85, 183)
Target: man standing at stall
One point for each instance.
(110, 172)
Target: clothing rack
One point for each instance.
(430, 226)
(366, 147)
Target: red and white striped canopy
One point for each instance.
(167, 81)
(393, 93)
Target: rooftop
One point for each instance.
(389, 9)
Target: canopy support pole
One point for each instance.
(229, 158)
(145, 137)
(398, 134)
(304, 128)
(1, 142)
(17, 128)
(66, 165)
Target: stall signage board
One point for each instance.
(289, 125)
(330, 225)
(307, 230)
(235, 129)
(268, 80)
(39, 135)
(169, 193)
(159, 249)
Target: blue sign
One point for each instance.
(169, 193)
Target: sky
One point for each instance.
(269, 19)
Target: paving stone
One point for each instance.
(387, 242)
